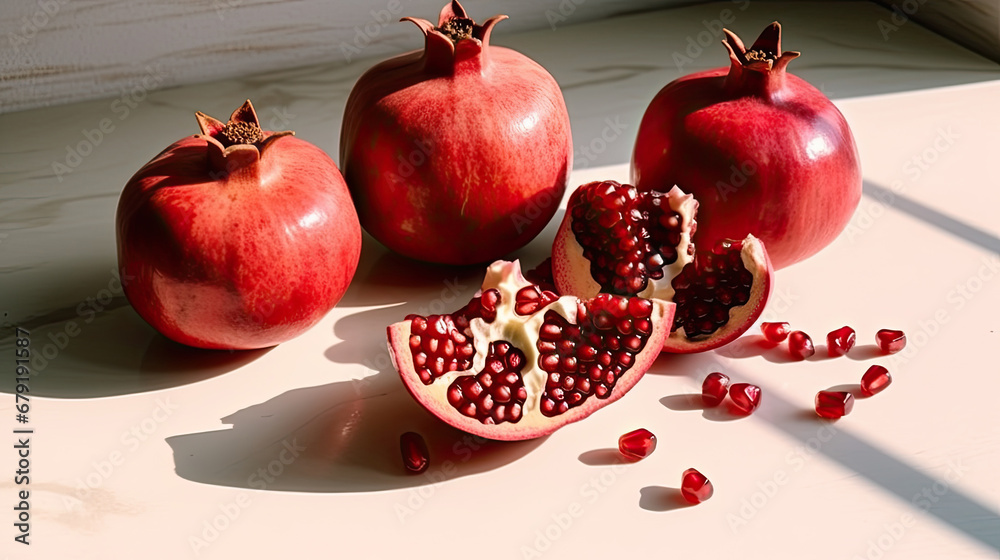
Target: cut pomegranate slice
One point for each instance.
(890, 341)
(875, 380)
(695, 487)
(745, 396)
(714, 389)
(618, 240)
(637, 444)
(834, 404)
(518, 362)
(800, 346)
(775, 332)
(840, 341)
(416, 458)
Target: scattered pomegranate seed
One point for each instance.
(875, 380)
(840, 341)
(714, 389)
(775, 332)
(637, 444)
(745, 396)
(800, 346)
(695, 488)
(890, 341)
(834, 404)
(416, 458)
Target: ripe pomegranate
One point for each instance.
(764, 152)
(618, 240)
(236, 238)
(459, 153)
(518, 362)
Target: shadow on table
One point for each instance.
(111, 352)
(339, 437)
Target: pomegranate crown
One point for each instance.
(456, 37)
(233, 144)
(764, 56)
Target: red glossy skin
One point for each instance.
(239, 260)
(763, 151)
(457, 154)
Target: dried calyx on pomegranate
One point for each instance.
(616, 239)
(518, 362)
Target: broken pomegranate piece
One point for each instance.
(416, 458)
(615, 239)
(518, 362)
(637, 444)
(714, 389)
(840, 341)
(875, 380)
(890, 341)
(745, 396)
(695, 487)
(834, 404)
(800, 346)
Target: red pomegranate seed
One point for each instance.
(637, 444)
(775, 332)
(834, 404)
(875, 380)
(800, 346)
(890, 341)
(745, 396)
(416, 458)
(714, 389)
(497, 393)
(840, 341)
(695, 487)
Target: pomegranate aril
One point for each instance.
(708, 288)
(800, 346)
(695, 487)
(890, 341)
(875, 380)
(413, 448)
(476, 396)
(745, 396)
(637, 444)
(775, 332)
(840, 341)
(714, 389)
(834, 404)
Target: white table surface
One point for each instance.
(140, 446)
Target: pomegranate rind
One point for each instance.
(741, 317)
(533, 424)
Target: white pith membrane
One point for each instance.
(755, 261)
(577, 280)
(522, 332)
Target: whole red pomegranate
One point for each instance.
(459, 153)
(236, 238)
(764, 152)
(518, 362)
